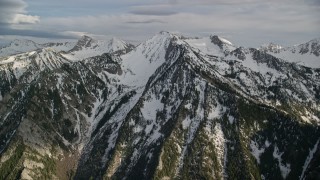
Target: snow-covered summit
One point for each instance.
(310, 47)
(19, 46)
(306, 54)
(220, 39)
(89, 47)
(22, 42)
(83, 42)
(117, 44)
(164, 99)
(271, 47)
(142, 61)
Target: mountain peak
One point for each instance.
(164, 32)
(85, 39)
(316, 40)
(115, 40)
(145, 114)
(218, 39)
(89, 47)
(18, 46)
(84, 42)
(19, 42)
(116, 44)
(311, 47)
(271, 47)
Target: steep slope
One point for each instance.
(170, 108)
(137, 67)
(307, 54)
(48, 112)
(193, 120)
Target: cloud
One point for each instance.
(248, 21)
(152, 10)
(75, 34)
(28, 19)
(9, 8)
(6, 30)
(12, 4)
(253, 24)
(239, 2)
(161, 8)
(13, 12)
(146, 21)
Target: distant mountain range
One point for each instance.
(170, 108)
(21, 46)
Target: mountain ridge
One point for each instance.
(170, 107)
(295, 53)
(114, 45)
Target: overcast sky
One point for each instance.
(243, 22)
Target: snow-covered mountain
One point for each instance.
(88, 47)
(172, 107)
(21, 46)
(306, 54)
(85, 47)
(18, 46)
(213, 45)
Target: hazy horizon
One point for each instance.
(134, 42)
(249, 23)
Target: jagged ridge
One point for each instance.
(170, 108)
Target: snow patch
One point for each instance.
(256, 152)
(151, 107)
(220, 143)
(216, 112)
(188, 106)
(267, 143)
(137, 129)
(8, 60)
(141, 63)
(231, 119)
(284, 168)
(292, 55)
(186, 122)
(309, 158)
